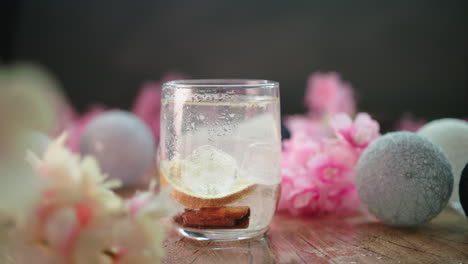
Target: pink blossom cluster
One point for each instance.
(74, 217)
(410, 123)
(318, 165)
(146, 106)
(328, 94)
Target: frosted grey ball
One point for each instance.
(404, 179)
(452, 136)
(122, 144)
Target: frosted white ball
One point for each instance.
(122, 144)
(452, 136)
(404, 179)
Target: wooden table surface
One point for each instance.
(358, 239)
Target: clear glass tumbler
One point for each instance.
(220, 152)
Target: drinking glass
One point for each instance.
(219, 156)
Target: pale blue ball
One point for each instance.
(122, 144)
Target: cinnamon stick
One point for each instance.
(215, 218)
(219, 212)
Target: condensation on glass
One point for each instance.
(219, 156)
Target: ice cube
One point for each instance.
(209, 171)
(262, 203)
(261, 163)
(262, 127)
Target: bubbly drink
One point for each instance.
(220, 156)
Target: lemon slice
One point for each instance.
(171, 175)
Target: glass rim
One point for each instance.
(222, 83)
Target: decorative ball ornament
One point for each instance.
(404, 179)
(463, 190)
(122, 144)
(452, 136)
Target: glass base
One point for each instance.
(220, 235)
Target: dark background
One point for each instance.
(400, 55)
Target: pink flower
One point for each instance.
(341, 199)
(334, 164)
(299, 196)
(287, 186)
(297, 151)
(307, 127)
(304, 200)
(60, 225)
(318, 161)
(315, 175)
(358, 134)
(327, 94)
(409, 123)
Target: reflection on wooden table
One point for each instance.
(330, 239)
